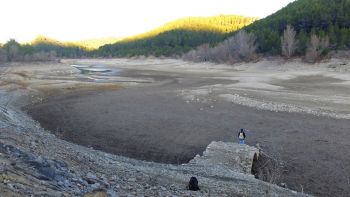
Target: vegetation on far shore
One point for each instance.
(307, 28)
(324, 18)
(175, 37)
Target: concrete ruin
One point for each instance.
(236, 157)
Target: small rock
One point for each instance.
(284, 185)
(39, 160)
(112, 193)
(90, 178)
(132, 179)
(113, 178)
(96, 186)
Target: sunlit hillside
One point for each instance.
(216, 24)
(177, 37)
(61, 49)
(88, 44)
(173, 38)
(96, 43)
(46, 40)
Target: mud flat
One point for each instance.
(168, 111)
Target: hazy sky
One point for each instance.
(81, 19)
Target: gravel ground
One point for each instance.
(298, 113)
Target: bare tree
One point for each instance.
(289, 42)
(190, 55)
(220, 53)
(316, 47)
(12, 49)
(243, 46)
(203, 52)
(240, 47)
(3, 55)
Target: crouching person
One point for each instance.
(193, 184)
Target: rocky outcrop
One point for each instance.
(35, 162)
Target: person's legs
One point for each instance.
(241, 142)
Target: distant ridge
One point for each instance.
(88, 44)
(177, 36)
(96, 42)
(173, 38)
(219, 24)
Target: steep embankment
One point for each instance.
(35, 162)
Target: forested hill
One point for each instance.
(92, 44)
(88, 44)
(178, 36)
(61, 49)
(321, 17)
(217, 24)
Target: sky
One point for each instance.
(69, 20)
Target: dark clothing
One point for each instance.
(241, 134)
(241, 137)
(193, 184)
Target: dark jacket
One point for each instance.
(240, 133)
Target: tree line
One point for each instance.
(308, 28)
(177, 37)
(171, 43)
(38, 51)
(325, 18)
(171, 39)
(243, 46)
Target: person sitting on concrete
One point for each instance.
(241, 136)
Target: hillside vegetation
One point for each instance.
(308, 28)
(219, 24)
(40, 49)
(92, 44)
(172, 38)
(321, 17)
(178, 36)
(62, 49)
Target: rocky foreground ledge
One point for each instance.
(34, 162)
